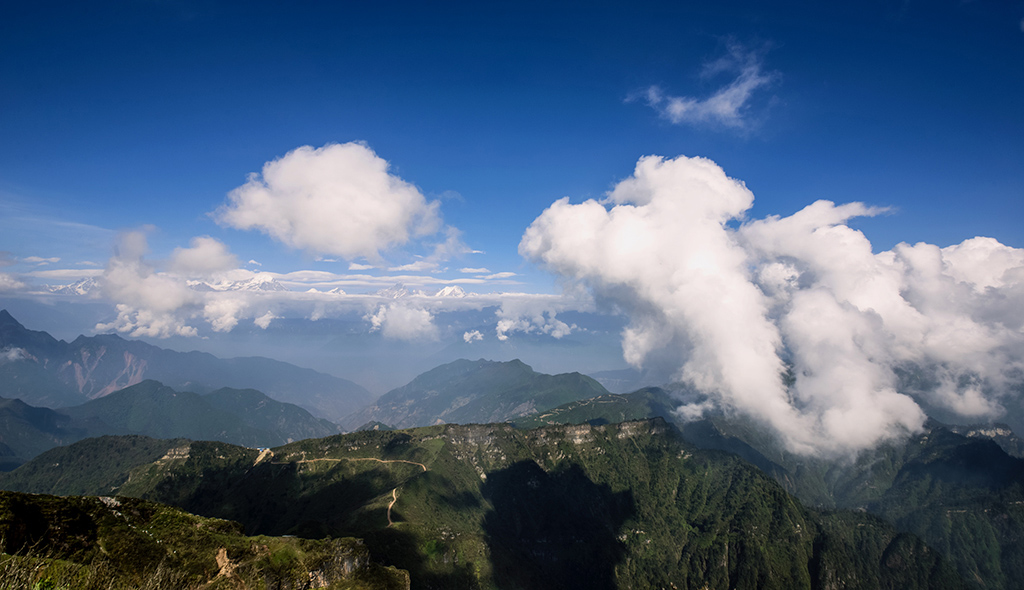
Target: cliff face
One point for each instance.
(92, 377)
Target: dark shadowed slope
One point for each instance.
(962, 494)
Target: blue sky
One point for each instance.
(133, 113)
(137, 119)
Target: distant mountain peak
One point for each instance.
(7, 320)
(81, 287)
(260, 282)
(451, 291)
(480, 391)
(396, 291)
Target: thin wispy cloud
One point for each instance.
(729, 105)
(418, 266)
(65, 273)
(40, 261)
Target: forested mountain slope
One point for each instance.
(488, 506)
(474, 392)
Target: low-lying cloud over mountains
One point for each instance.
(793, 320)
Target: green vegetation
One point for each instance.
(97, 466)
(116, 542)
(475, 392)
(490, 506)
(962, 494)
(239, 416)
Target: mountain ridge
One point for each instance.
(480, 391)
(492, 506)
(44, 371)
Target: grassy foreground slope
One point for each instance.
(488, 506)
(114, 543)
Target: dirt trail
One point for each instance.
(421, 465)
(394, 492)
(394, 498)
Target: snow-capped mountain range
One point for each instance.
(260, 282)
(398, 291)
(263, 282)
(82, 287)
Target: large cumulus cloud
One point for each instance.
(339, 200)
(794, 321)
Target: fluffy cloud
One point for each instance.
(529, 316)
(728, 105)
(741, 311)
(403, 322)
(474, 336)
(337, 200)
(264, 320)
(204, 257)
(158, 304)
(149, 303)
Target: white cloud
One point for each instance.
(205, 257)
(149, 303)
(264, 320)
(418, 266)
(474, 271)
(66, 273)
(695, 410)
(254, 263)
(403, 322)
(12, 354)
(357, 266)
(8, 282)
(223, 311)
(159, 304)
(336, 200)
(529, 316)
(726, 106)
(733, 309)
(40, 261)
(474, 336)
